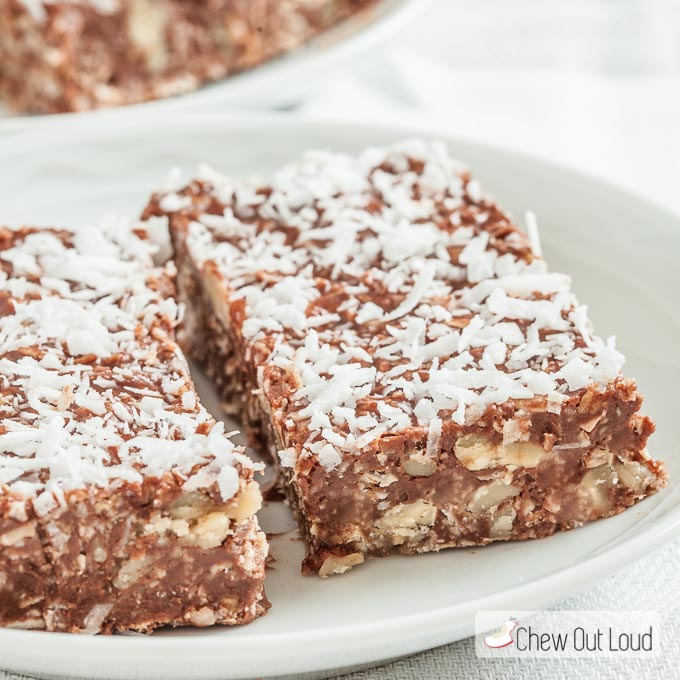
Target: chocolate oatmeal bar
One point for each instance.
(399, 347)
(71, 55)
(123, 506)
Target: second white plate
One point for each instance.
(620, 251)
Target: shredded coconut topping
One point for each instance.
(386, 291)
(94, 389)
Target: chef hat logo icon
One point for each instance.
(503, 636)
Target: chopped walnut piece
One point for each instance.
(17, 537)
(476, 452)
(246, 504)
(598, 483)
(146, 26)
(406, 520)
(419, 466)
(634, 476)
(501, 527)
(339, 564)
(491, 495)
(203, 617)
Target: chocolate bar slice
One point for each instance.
(398, 346)
(123, 505)
(72, 55)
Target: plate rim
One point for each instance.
(397, 632)
(96, 121)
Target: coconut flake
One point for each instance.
(531, 224)
(228, 482)
(421, 283)
(434, 433)
(329, 457)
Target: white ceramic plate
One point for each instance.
(621, 252)
(279, 82)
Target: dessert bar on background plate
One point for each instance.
(123, 506)
(397, 345)
(588, 228)
(61, 55)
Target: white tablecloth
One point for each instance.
(651, 584)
